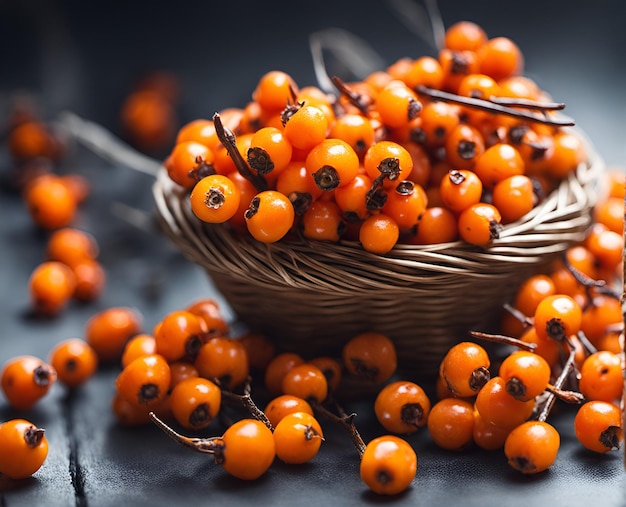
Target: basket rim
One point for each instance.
(557, 222)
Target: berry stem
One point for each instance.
(246, 401)
(358, 100)
(506, 340)
(489, 106)
(345, 420)
(558, 384)
(212, 445)
(227, 138)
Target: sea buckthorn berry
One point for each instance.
(331, 368)
(544, 346)
(388, 465)
(306, 128)
(195, 402)
(50, 202)
(514, 197)
(31, 139)
(109, 330)
(477, 86)
(370, 356)
(201, 131)
(488, 436)
(306, 381)
(598, 426)
(402, 407)
(51, 286)
(148, 119)
(139, 345)
(606, 246)
(90, 279)
(601, 376)
(388, 160)
(323, 221)
(356, 130)
(74, 361)
(269, 151)
(499, 408)
(274, 90)
(498, 162)
(526, 374)
(456, 65)
(463, 146)
(270, 216)
(223, 360)
(180, 335)
(460, 189)
(424, 71)
(181, 370)
(379, 233)
(532, 447)
(437, 120)
(332, 164)
(451, 424)
(297, 437)
(601, 314)
(397, 105)
(352, 198)
(259, 349)
(558, 316)
(70, 245)
(23, 448)
(188, 162)
(405, 204)
(465, 368)
(145, 381)
(209, 310)
(610, 213)
(500, 58)
(25, 380)
(215, 199)
(568, 153)
(464, 35)
(247, 191)
(436, 225)
(282, 405)
(129, 414)
(277, 368)
(223, 163)
(480, 223)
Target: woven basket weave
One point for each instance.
(311, 296)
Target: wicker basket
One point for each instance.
(311, 296)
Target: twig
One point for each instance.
(506, 340)
(346, 421)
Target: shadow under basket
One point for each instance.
(310, 297)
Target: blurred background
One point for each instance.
(87, 56)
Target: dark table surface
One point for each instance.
(84, 57)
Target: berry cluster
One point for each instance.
(430, 150)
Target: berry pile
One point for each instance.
(429, 150)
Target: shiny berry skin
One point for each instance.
(514, 197)
(269, 151)
(526, 374)
(306, 128)
(108, 331)
(379, 233)
(498, 162)
(480, 223)
(370, 356)
(500, 58)
(558, 316)
(332, 163)
(145, 381)
(180, 335)
(532, 447)
(402, 407)
(187, 161)
(243, 439)
(306, 381)
(274, 90)
(23, 448)
(277, 368)
(388, 465)
(601, 376)
(464, 35)
(25, 380)
(297, 438)
(195, 402)
(280, 406)
(270, 216)
(451, 423)
(223, 360)
(499, 408)
(465, 368)
(389, 160)
(215, 199)
(74, 361)
(598, 426)
(460, 189)
(139, 345)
